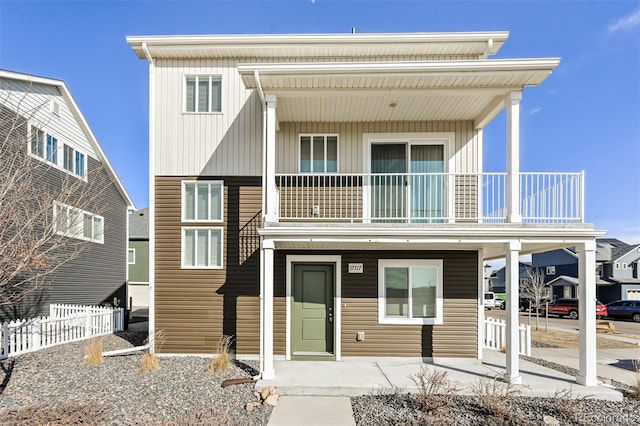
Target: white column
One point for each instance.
(512, 103)
(587, 374)
(268, 371)
(512, 278)
(481, 273)
(271, 191)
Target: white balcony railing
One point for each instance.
(428, 197)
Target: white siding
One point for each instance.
(32, 101)
(227, 143)
(350, 154)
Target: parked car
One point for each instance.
(624, 309)
(569, 308)
(489, 300)
(500, 303)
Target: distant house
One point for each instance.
(498, 278)
(55, 137)
(616, 270)
(138, 259)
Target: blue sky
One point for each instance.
(585, 116)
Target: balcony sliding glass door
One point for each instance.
(411, 182)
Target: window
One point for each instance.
(131, 258)
(52, 149)
(77, 223)
(617, 265)
(551, 270)
(318, 153)
(73, 161)
(202, 248)
(202, 201)
(624, 266)
(410, 291)
(203, 93)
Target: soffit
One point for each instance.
(394, 91)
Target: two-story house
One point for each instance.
(322, 196)
(83, 202)
(616, 269)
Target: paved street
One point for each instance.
(621, 326)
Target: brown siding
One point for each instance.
(195, 307)
(457, 337)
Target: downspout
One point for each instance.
(152, 197)
(263, 102)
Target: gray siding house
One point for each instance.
(54, 135)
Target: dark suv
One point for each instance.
(569, 308)
(624, 309)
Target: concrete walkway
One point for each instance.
(308, 411)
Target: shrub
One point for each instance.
(495, 397)
(435, 389)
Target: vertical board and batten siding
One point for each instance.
(229, 143)
(351, 144)
(32, 100)
(457, 337)
(195, 307)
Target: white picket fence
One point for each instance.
(65, 323)
(495, 335)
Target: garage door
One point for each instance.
(633, 294)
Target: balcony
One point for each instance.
(428, 198)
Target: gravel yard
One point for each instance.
(181, 392)
(54, 386)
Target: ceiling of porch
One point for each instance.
(398, 91)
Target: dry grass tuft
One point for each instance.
(223, 362)
(94, 350)
(435, 389)
(149, 360)
(503, 349)
(495, 397)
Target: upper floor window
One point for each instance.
(203, 93)
(202, 201)
(45, 146)
(74, 161)
(318, 153)
(131, 258)
(202, 248)
(76, 223)
(551, 270)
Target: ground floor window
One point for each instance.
(409, 291)
(202, 247)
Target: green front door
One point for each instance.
(312, 327)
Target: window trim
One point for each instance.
(409, 263)
(184, 201)
(57, 205)
(131, 251)
(211, 78)
(325, 135)
(183, 230)
(74, 155)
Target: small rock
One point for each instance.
(273, 390)
(264, 394)
(257, 395)
(271, 400)
(250, 406)
(550, 420)
(606, 381)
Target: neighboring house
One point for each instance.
(499, 277)
(324, 196)
(616, 271)
(138, 260)
(53, 133)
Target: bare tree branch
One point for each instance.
(36, 236)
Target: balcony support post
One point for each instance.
(270, 193)
(512, 276)
(587, 375)
(266, 346)
(512, 102)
